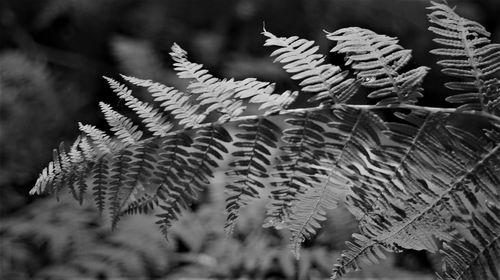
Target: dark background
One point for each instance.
(53, 54)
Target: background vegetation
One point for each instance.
(52, 56)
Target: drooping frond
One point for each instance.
(350, 135)
(469, 57)
(377, 61)
(250, 168)
(171, 172)
(300, 58)
(296, 169)
(311, 206)
(477, 257)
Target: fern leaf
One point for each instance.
(124, 129)
(176, 102)
(301, 59)
(151, 117)
(377, 61)
(310, 209)
(274, 102)
(117, 184)
(209, 145)
(99, 138)
(351, 133)
(296, 169)
(424, 219)
(78, 161)
(247, 173)
(470, 57)
(216, 96)
(361, 249)
(412, 150)
(172, 170)
(99, 182)
(140, 173)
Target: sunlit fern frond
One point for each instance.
(377, 61)
(300, 58)
(469, 57)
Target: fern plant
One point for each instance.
(422, 180)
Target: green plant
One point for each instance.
(419, 179)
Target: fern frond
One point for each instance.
(174, 101)
(300, 58)
(99, 138)
(470, 57)
(361, 250)
(351, 134)
(478, 175)
(151, 117)
(78, 159)
(123, 127)
(444, 197)
(99, 181)
(118, 187)
(275, 102)
(67, 169)
(406, 181)
(296, 169)
(377, 61)
(171, 174)
(413, 150)
(250, 168)
(311, 207)
(416, 207)
(215, 95)
(475, 258)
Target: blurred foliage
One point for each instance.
(68, 240)
(52, 56)
(32, 119)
